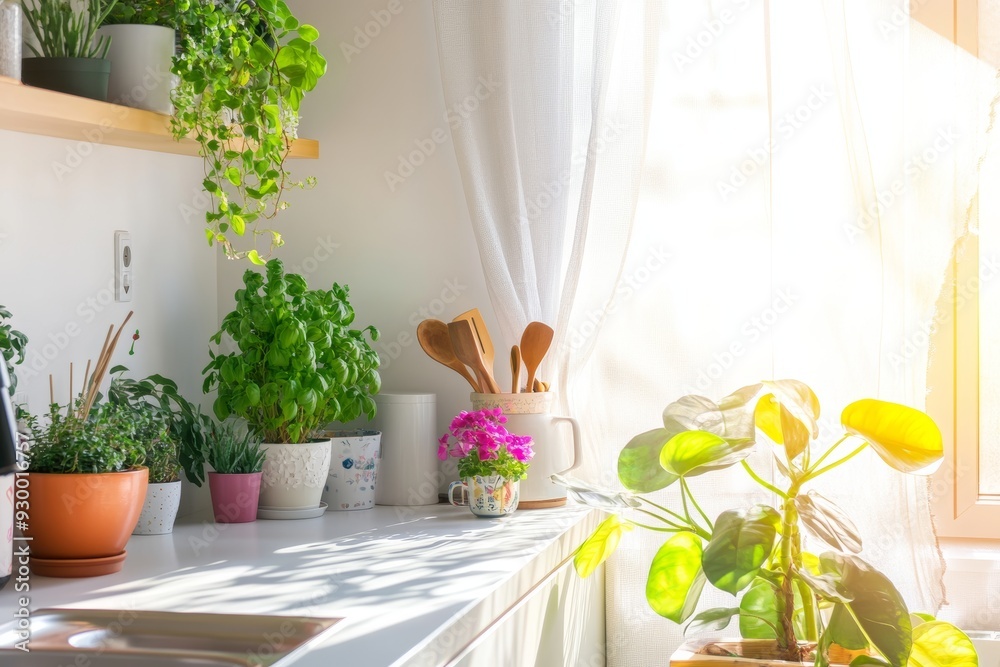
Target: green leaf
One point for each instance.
(828, 522)
(675, 577)
(239, 225)
(254, 257)
(875, 603)
(941, 644)
(308, 32)
(639, 466)
(234, 176)
(759, 602)
(905, 438)
(712, 620)
(696, 452)
(865, 660)
(740, 545)
(600, 545)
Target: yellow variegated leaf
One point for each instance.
(799, 399)
(905, 438)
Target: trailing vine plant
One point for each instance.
(243, 68)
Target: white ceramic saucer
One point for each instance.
(279, 513)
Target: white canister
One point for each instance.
(10, 39)
(408, 472)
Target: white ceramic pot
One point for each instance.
(528, 414)
(140, 58)
(159, 509)
(294, 475)
(489, 497)
(353, 469)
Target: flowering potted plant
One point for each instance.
(808, 598)
(491, 461)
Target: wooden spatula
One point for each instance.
(482, 334)
(435, 340)
(463, 340)
(515, 369)
(535, 343)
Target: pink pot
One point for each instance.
(234, 497)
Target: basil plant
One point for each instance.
(806, 601)
(299, 365)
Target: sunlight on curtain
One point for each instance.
(807, 240)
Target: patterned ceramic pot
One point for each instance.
(489, 497)
(353, 468)
(159, 509)
(294, 475)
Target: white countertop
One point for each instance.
(414, 584)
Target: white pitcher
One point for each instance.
(528, 414)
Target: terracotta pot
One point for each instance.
(234, 496)
(84, 515)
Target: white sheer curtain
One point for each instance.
(804, 179)
(552, 158)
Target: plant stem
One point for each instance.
(770, 487)
(657, 528)
(686, 489)
(674, 526)
(787, 644)
(828, 451)
(662, 508)
(816, 473)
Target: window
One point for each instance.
(965, 373)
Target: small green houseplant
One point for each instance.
(237, 460)
(87, 487)
(143, 12)
(70, 58)
(244, 68)
(298, 366)
(12, 346)
(800, 600)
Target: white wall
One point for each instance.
(405, 252)
(57, 251)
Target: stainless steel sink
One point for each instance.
(107, 638)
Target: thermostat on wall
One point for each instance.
(124, 284)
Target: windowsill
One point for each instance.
(980, 555)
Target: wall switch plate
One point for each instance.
(124, 285)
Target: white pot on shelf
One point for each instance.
(141, 57)
(159, 511)
(294, 475)
(353, 470)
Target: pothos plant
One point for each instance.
(299, 365)
(790, 593)
(243, 68)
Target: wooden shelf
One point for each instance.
(39, 111)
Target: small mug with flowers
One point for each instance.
(491, 461)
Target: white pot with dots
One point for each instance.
(159, 510)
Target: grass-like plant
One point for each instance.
(64, 32)
(233, 453)
(800, 598)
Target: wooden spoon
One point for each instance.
(463, 341)
(435, 340)
(535, 343)
(515, 369)
(483, 339)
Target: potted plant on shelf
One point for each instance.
(237, 462)
(86, 486)
(142, 50)
(69, 58)
(797, 605)
(491, 461)
(298, 366)
(243, 70)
